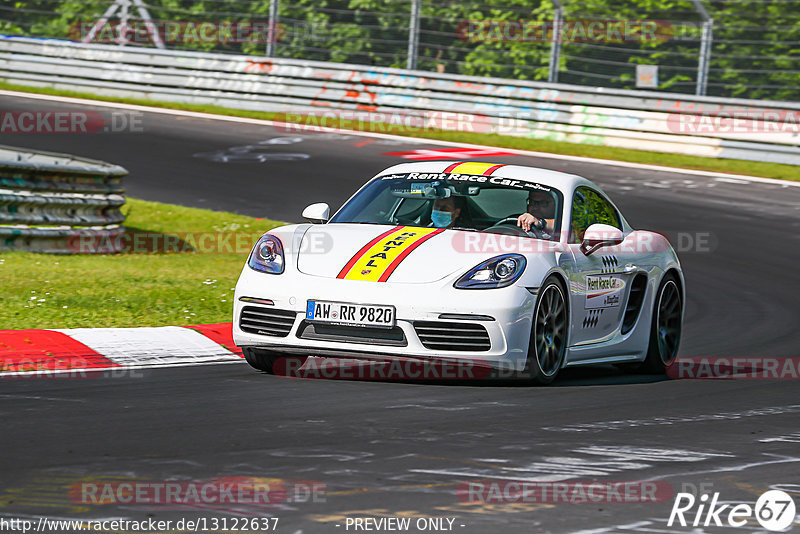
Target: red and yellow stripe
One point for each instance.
(377, 260)
(474, 167)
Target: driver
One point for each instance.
(446, 211)
(541, 213)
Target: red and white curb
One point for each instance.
(50, 352)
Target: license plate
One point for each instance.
(345, 313)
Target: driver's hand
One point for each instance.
(525, 221)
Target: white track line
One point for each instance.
(261, 122)
(92, 371)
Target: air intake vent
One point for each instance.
(266, 321)
(465, 337)
(352, 334)
(635, 299)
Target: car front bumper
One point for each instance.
(510, 310)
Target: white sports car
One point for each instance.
(503, 266)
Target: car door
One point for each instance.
(599, 282)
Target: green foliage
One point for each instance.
(142, 289)
(755, 47)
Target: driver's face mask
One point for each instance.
(441, 219)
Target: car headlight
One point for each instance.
(500, 271)
(267, 255)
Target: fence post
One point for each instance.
(413, 35)
(272, 30)
(555, 45)
(705, 57)
(705, 48)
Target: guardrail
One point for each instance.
(756, 130)
(54, 202)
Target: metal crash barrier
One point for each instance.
(57, 203)
(755, 130)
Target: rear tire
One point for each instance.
(549, 332)
(665, 328)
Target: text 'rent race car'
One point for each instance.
(504, 266)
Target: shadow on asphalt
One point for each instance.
(599, 375)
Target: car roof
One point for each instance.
(562, 181)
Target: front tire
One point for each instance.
(665, 329)
(260, 359)
(549, 332)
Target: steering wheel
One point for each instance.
(508, 226)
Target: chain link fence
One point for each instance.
(730, 48)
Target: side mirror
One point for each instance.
(600, 235)
(317, 213)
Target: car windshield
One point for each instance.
(456, 201)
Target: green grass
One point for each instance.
(133, 289)
(734, 166)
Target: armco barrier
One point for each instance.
(48, 201)
(662, 122)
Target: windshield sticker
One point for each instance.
(414, 189)
(418, 188)
(468, 178)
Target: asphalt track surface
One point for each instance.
(402, 449)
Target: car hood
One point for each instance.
(384, 253)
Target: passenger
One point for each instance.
(541, 213)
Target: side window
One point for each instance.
(588, 208)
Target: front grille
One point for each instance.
(266, 321)
(467, 337)
(392, 337)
